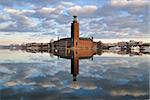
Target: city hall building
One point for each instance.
(75, 42)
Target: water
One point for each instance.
(45, 76)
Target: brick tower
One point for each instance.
(75, 32)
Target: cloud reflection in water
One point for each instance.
(106, 78)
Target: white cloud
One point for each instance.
(128, 2)
(119, 2)
(26, 21)
(4, 17)
(115, 19)
(85, 10)
(17, 12)
(6, 25)
(46, 10)
(67, 3)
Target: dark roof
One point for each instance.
(83, 38)
(64, 38)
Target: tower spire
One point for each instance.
(74, 18)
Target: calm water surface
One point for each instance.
(43, 76)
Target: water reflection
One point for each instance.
(78, 54)
(74, 75)
(75, 56)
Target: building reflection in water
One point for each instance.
(74, 56)
(74, 64)
(77, 54)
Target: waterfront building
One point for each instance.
(75, 41)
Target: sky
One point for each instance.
(23, 21)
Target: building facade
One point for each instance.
(75, 41)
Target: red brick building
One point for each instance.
(75, 41)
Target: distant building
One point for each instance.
(116, 48)
(37, 46)
(74, 41)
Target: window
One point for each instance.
(76, 43)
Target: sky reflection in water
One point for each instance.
(28, 76)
